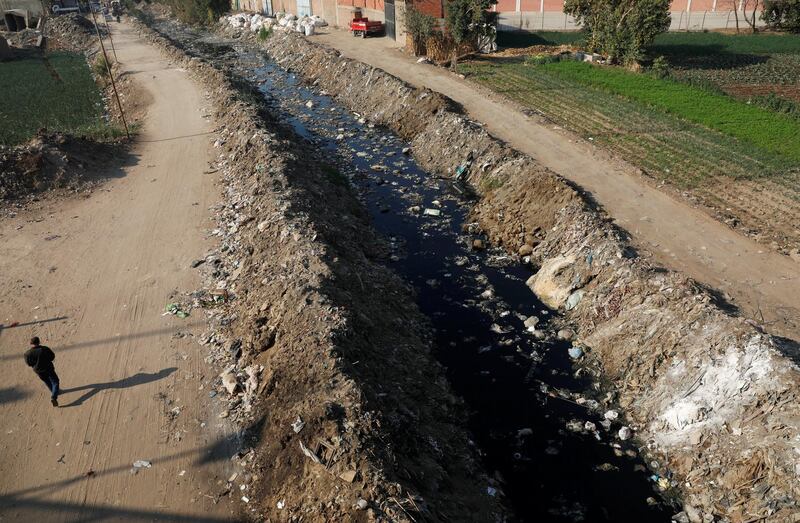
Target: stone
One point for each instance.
(565, 334)
(477, 245)
(525, 250)
(531, 321)
(625, 433)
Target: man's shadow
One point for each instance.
(137, 379)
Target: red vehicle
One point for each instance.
(364, 27)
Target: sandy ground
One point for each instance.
(91, 277)
(763, 284)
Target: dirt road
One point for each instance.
(91, 277)
(763, 284)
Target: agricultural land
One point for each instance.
(714, 118)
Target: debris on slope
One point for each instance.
(351, 418)
(707, 392)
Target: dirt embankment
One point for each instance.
(712, 397)
(352, 419)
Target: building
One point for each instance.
(513, 15)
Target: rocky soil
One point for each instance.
(326, 359)
(54, 162)
(711, 396)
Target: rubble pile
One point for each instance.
(73, 32)
(323, 356)
(48, 161)
(707, 393)
(282, 21)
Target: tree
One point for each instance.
(782, 14)
(620, 29)
(752, 19)
(461, 19)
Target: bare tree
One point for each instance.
(751, 20)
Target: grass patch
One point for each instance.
(776, 133)
(56, 92)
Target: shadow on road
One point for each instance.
(140, 378)
(12, 394)
(27, 502)
(93, 343)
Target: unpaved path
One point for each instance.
(763, 284)
(98, 272)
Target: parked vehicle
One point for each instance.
(364, 27)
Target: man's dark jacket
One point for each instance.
(40, 358)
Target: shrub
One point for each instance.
(541, 59)
(264, 33)
(421, 27)
(660, 67)
(199, 12)
(782, 14)
(623, 29)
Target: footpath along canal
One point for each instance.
(551, 442)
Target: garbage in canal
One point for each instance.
(543, 446)
(573, 300)
(575, 352)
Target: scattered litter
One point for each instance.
(611, 415)
(573, 300)
(182, 473)
(281, 504)
(491, 491)
(298, 425)
(175, 309)
(575, 352)
(625, 433)
(362, 504)
(142, 464)
(245, 499)
(432, 212)
(308, 453)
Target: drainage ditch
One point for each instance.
(537, 413)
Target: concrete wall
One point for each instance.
(33, 6)
(558, 21)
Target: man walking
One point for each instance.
(40, 359)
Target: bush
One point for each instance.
(782, 14)
(421, 27)
(199, 12)
(264, 33)
(620, 30)
(660, 67)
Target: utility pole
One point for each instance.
(110, 75)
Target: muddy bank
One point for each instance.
(351, 418)
(711, 396)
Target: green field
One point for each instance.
(741, 161)
(56, 92)
(764, 129)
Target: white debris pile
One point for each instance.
(284, 21)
